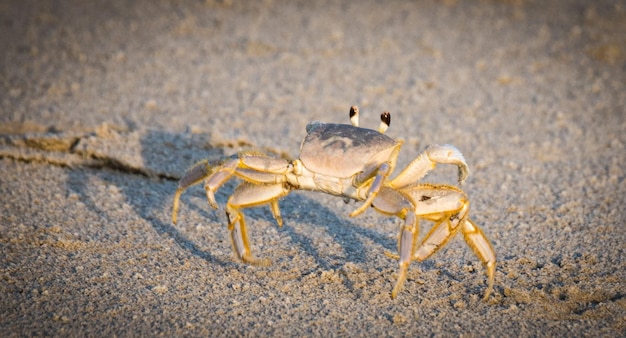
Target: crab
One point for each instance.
(353, 163)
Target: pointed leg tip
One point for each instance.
(487, 293)
(489, 285)
(357, 212)
(279, 221)
(399, 283)
(392, 255)
(396, 289)
(210, 196)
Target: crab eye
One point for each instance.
(354, 110)
(385, 118)
(354, 116)
(385, 121)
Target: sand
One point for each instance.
(104, 105)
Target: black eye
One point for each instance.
(354, 116)
(385, 118)
(354, 110)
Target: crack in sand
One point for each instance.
(144, 152)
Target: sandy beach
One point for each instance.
(105, 104)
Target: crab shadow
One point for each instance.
(299, 210)
(150, 198)
(167, 153)
(147, 197)
(143, 204)
(348, 235)
(303, 217)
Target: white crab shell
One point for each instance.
(340, 150)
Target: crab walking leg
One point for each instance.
(441, 204)
(215, 181)
(377, 184)
(447, 206)
(426, 161)
(193, 176)
(406, 247)
(391, 202)
(249, 195)
(437, 237)
(276, 212)
(443, 231)
(252, 168)
(475, 238)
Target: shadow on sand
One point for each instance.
(149, 198)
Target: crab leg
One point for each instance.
(248, 195)
(426, 161)
(406, 247)
(438, 236)
(276, 212)
(481, 246)
(381, 175)
(202, 170)
(448, 207)
(215, 181)
(391, 202)
(251, 167)
(474, 237)
(193, 176)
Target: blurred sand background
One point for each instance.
(104, 104)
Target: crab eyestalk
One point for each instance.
(354, 116)
(385, 121)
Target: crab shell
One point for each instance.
(340, 150)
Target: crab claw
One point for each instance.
(449, 154)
